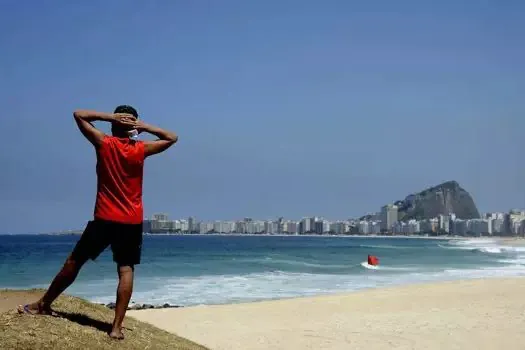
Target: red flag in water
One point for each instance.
(373, 260)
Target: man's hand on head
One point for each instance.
(124, 120)
(140, 126)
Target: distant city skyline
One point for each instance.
(384, 222)
(282, 108)
(378, 213)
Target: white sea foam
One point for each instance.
(473, 241)
(385, 246)
(489, 246)
(517, 261)
(269, 261)
(366, 265)
(250, 287)
(278, 284)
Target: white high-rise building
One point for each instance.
(193, 225)
(375, 227)
(271, 227)
(497, 226)
(413, 227)
(313, 221)
(388, 217)
(291, 227)
(205, 227)
(240, 227)
(304, 226)
(183, 225)
(478, 226)
(326, 226)
(252, 227)
(321, 226)
(339, 228)
(364, 227)
(444, 223)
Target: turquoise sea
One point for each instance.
(193, 270)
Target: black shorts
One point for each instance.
(125, 241)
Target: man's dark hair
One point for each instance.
(127, 110)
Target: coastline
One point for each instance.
(504, 239)
(311, 235)
(477, 314)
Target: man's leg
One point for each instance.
(126, 243)
(89, 246)
(61, 282)
(125, 288)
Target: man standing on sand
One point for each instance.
(118, 212)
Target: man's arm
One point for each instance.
(84, 118)
(165, 141)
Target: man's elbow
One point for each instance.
(77, 114)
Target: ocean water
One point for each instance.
(193, 270)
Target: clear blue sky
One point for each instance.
(292, 108)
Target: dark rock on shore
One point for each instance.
(143, 306)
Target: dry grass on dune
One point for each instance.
(78, 325)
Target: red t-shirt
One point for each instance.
(120, 165)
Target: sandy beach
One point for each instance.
(476, 314)
(512, 241)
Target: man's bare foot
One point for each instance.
(35, 309)
(117, 334)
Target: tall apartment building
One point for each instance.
(388, 217)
